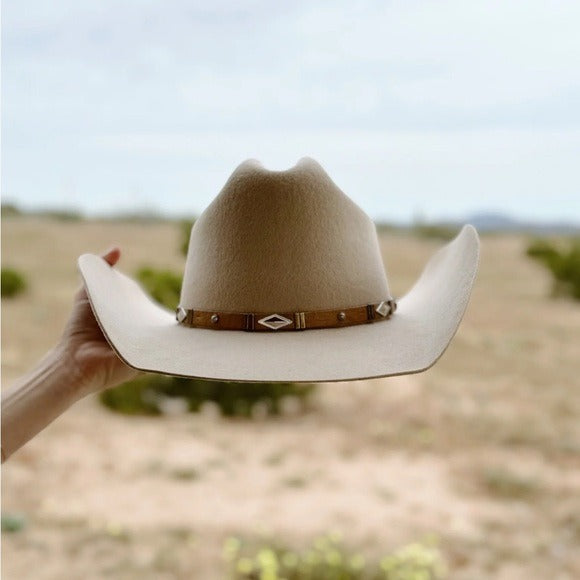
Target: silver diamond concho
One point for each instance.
(274, 321)
(181, 314)
(383, 309)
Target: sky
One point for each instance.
(416, 109)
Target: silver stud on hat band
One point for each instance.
(181, 314)
(386, 308)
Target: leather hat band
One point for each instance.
(276, 321)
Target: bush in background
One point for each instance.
(13, 522)
(435, 231)
(327, 559)
(61, 215)
(9, 210)
(563, 261)
(154, 394)
(185, 231)
(13, 282)
(163, 285)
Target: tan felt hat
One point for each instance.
(284, 281)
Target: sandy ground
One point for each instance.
(481, 452)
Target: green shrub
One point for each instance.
(13, 522)
(563, 261)
(185, 229)
(163, 285)
(152, 395)
(13, 282)
(143, 216)
(507, 484)
(435, 231)
(9, 210)
(388, 228)
(136, 397)
(328, 559)
(61, 215)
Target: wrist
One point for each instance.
(63, 364)
(38, 398)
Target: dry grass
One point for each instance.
(483, 450)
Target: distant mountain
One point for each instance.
(498, 222)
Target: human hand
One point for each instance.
(83, 345)
(80, 364)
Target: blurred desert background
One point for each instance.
(121, 117)
(475, 462)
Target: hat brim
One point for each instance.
(147, 337)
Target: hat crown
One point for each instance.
(282, 241)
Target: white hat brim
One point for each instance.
(147, 337)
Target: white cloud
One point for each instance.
(442, 97)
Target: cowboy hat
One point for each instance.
(284, 281)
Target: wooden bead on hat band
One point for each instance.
(268, 321)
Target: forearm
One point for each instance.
(37, 399)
